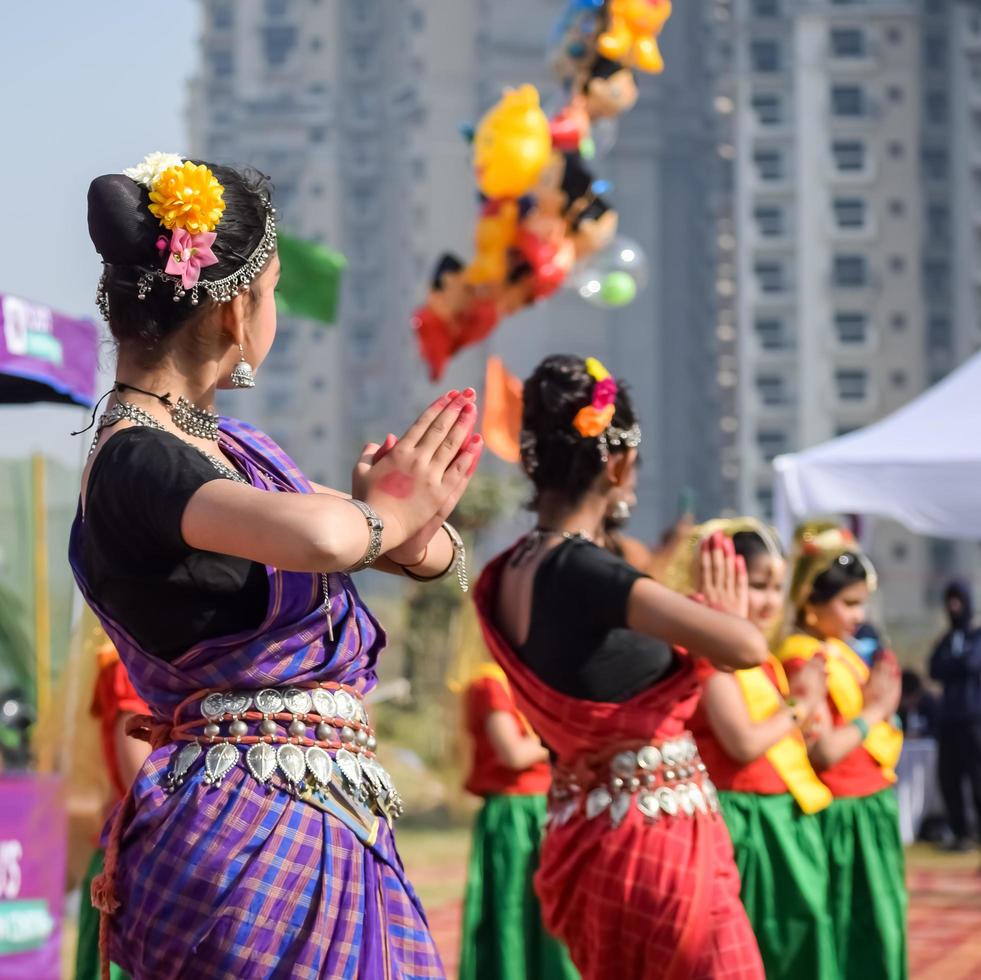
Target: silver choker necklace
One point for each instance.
(541, 532)
(534, 539)
(202, 423)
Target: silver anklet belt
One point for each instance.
(311, 739)
(661, 778)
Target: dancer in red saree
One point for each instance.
(637, 875)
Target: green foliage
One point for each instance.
(487, 499)
(431, 632)
(16, 667)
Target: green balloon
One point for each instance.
(619, 288)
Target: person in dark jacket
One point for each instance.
(956, 663)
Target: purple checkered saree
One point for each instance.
(240, 880)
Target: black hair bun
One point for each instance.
(555, 456)
(121, 227)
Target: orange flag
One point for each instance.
(502, 411)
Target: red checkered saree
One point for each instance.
(658, 901)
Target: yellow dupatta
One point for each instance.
(847, 675)
(788, 756)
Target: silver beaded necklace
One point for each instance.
(535, 538)
(543, 532)
(133, 413)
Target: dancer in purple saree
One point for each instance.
(257, 840)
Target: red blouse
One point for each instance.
(114, 695)
(489, 776)
(758, 776)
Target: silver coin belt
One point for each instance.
(666, 779)
(305, 738)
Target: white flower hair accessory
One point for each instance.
(149, 170)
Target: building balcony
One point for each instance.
(862, 235)
(774, 351)
(362, 19)
(868, 174)
(849, 66)
(776, 413)
(782, 186)
(785, 131)
(772, 300)
(764, 245)
(970, 42)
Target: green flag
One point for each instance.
(310, 280)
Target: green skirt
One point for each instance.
(784, 871)
(867, 885)
(87, 962)
(503, 936)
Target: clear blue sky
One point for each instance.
(89, 88)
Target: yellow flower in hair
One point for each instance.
(187, 196)
(596, 370)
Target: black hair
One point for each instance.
(912, 683)
(603, 68)
(125, 234)
(448, 264)
(577, 184)
(959, 589)
(750, 545)
(847, 569)
(555, 456)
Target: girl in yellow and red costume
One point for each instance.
(749, 732)
(855, 752)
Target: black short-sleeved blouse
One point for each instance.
(167, 595)
(578, 642)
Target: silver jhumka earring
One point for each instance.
(242, 374)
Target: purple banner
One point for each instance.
(45, 356)
(33, 845)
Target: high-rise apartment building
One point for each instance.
(663, 176)
(956, 51)
(851, 249)
(330, 100)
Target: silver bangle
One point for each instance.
(459, 562)
(375, 527)
(459, 556)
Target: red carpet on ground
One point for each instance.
(944, 925)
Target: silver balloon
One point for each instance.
(612, 277)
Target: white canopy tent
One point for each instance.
(920, 466)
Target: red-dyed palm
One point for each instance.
(723, 582)
(415, 482)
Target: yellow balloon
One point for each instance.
(512, 144)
